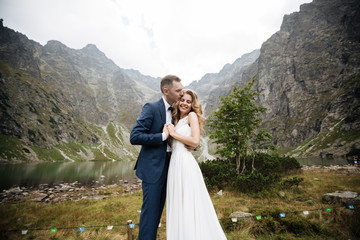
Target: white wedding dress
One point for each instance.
(190, 214)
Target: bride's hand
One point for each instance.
(171, 129)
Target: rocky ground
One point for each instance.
(339, 169)
(68, 192)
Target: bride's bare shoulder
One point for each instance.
(192, 115)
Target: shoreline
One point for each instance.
(340, 169)
(43, 193)
(60, 192)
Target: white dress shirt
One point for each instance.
(168, 120)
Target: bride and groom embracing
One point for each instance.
(169, 171)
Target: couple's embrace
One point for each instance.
(169, 171)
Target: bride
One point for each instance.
(190, 213)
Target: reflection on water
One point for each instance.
(86, 173)
(322, 161)
(33, 174)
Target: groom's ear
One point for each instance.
(165, 91)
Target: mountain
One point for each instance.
(61, 103)
(213, 85)
(58, 103)
(309, 80)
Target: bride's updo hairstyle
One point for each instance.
(195, 107)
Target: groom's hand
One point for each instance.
(190, 148)
(166, 131)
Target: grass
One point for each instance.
(47, 154)
(326, 139)
(120, 207)
(73, 150)
(112, 134)
(11, 148)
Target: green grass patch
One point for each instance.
(47, 154)
(111, 130)
(11, 148)
(73, 150)
(326, 139)
(98, 155)
(111, 154)
(4, 67)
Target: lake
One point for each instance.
(87, 173)
(322, 161)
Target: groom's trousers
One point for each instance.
(154, 195)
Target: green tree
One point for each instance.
(235, 126)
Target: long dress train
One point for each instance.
(190, 213)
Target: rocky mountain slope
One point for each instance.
(60, 103)
(213, 85)
(309, 80)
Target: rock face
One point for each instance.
(59, 103)
(308, 79)
(213, 85)
(53, 96)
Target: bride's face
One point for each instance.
(185, 104)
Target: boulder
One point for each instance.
(344, 197)
(242, 215)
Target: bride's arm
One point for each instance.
(194, 139)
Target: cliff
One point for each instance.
(309, 80)
(60, 103)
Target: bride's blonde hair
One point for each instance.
(195, 107)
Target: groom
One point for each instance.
(153, 161)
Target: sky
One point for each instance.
(187, 38)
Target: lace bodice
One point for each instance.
(183, 128)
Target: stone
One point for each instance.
(14, 190)
(242, 216)
(344, 197)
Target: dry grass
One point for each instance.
(116, 210)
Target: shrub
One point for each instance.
(268, 169)
(52, 120)
(269, 164)
(295, 181)
(217, 173)
(255, 182)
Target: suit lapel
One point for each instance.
(162, 111)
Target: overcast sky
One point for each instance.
(188, 38)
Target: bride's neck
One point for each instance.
(183, 115)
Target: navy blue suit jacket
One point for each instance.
(147, 132)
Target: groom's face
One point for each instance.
(174, 93)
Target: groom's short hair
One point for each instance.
(167, 82)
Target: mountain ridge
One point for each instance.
(60, 103)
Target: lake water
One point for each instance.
(322, 161)
(87, 173)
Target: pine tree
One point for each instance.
(235, 126)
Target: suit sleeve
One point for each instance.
(141, 133)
